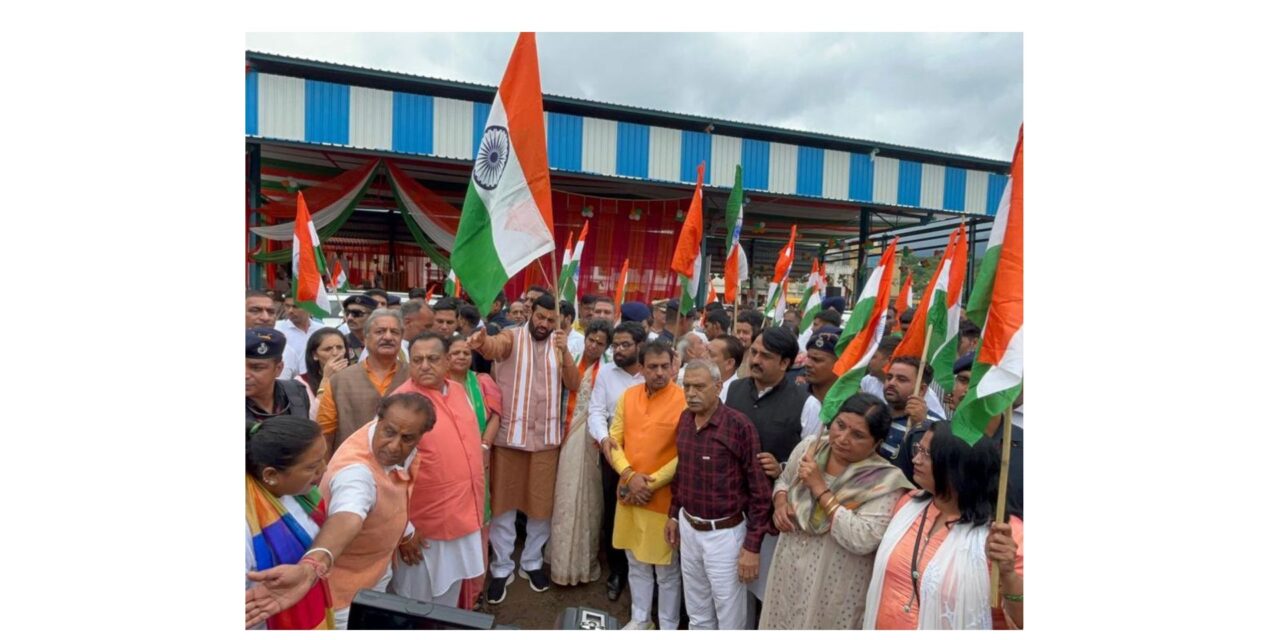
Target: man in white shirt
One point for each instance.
(297, 327)
(577, 341)
(612, 381)
(726, 351)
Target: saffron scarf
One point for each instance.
(860, 483)
(279, 539)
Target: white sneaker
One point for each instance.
(638, 625)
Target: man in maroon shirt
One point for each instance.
(720, 503)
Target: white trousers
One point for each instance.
(640, 581)
(713, 596)
(502, 536)
(340, 615)
(413, 581)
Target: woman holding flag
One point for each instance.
(832, 504)
(933, 568)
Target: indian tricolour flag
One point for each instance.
(904, 302)
(930, 321)
(506, 217)
(944, 359)
(687, 261)
(736, 268)
(812, 298)
(860, 317)
(869, 321)
(621, 295)
(571, 266)
(776, 297)
(309, 291)
(338, 276)
(998, 367)
(452, 287)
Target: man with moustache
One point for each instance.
(350, 396)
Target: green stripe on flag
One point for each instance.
(842, 389)
(974, 413)
(983, 282)
(475, 258)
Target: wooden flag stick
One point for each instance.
(1002, 496)
(928, 334)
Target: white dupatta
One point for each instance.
(955, 590)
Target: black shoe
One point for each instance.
(538, 580)
(498, 588)
(615, 587)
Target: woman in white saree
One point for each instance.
(932, 570)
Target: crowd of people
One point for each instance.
(683, 455)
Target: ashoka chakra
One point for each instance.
(491, 159)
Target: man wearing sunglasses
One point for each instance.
(355, 310)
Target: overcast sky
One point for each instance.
(959, 93)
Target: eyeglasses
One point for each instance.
(356, 313)
(916, 450)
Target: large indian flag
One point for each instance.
(870, 327)
(506, 217)
(309, 291)
(998, 367)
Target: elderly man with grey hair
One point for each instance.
(719, 503)
(350, 398)
(692, 346)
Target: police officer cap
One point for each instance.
(963, 363)
(824, 339)
(635, 312)
(836, 302)
(360, 299)
(392, 299)
(263, 344)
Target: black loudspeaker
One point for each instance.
(575, 618)
(377, 610)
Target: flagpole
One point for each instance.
(928, 333)
(1002, 496)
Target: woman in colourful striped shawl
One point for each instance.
(284, 459)
(486, 400)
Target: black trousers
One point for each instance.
(609, 485)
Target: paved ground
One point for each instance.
(528, 609)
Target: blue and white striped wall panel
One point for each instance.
(298, 109)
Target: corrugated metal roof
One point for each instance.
(266, 61)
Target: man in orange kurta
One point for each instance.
(644, 432)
